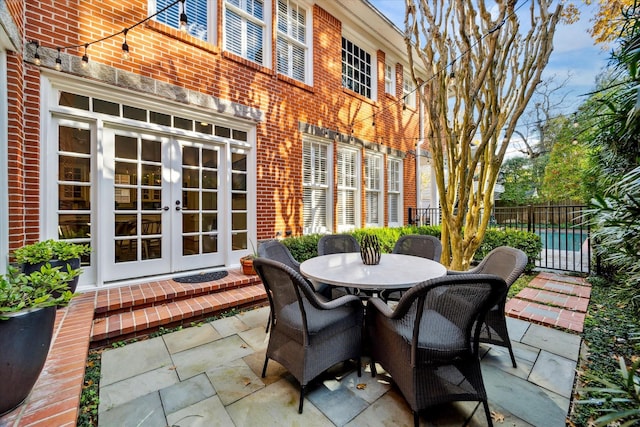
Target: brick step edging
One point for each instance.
(571, 321)
(554, 299)
(144, 320)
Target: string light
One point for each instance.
(36, 55)
(85, 58)
(184, 21)
(125, 46)
(58, 65)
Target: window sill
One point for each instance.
(183, 37)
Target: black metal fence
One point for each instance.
(564, 231)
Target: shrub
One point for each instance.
(529, 243)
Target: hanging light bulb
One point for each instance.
(36, 55)
(58, 65)
(125, 46)
(85, 58)
(184, 21)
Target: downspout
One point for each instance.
(419, 147)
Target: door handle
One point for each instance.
(178, 208)
(166, 208)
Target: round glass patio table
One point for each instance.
(395, 271)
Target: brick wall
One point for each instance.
(166, 55)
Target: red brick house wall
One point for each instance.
(166, 55)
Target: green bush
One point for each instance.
(529, 243)
(304, 247)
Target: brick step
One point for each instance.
(556, 317)
(554, 299)
(137, 310)
(560, 285)
(546, 275)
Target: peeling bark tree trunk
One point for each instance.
(483, 68)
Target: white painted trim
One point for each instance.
(4, 150)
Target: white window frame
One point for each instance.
(408, 91)
(245, 18)
(394, 192)
(318, 180)
(374, 189)
(373, 76)
(200, 17)
(390, 78)
(292, 42)
(348, 187)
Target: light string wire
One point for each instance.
(37, 44)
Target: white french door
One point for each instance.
(162, 196)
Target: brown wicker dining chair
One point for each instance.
(508, 263)
(428, 343)
(417, 245)
(338, 244)
(308, 336)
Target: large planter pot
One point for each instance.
(73, 263)
(24, 344)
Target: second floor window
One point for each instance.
(390, 79)
(292, 49)
(245, 29)
(409, 91)
(196, 10)
(356, 69)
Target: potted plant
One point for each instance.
(247, 261)
(64, 254)
(28, 305)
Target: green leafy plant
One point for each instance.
(42, 288)
(47, 250)
(624, 397)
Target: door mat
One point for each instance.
(199, 278)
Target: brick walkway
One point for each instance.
(552, 299)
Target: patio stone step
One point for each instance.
(135, 310)
(552, 299)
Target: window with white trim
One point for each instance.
(245, 29)
(374, 211)
(197, 16)
(316, 186)
(390, 79)
(394, 192)
(348, 209)
(409, 91)
(292, 42)
(357, 69)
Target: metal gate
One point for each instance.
(564, 231)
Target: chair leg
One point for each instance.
(488, 413)
(301, 399)
(513, 358)
(416, 419)
(266, 330)
(264, 368)
(359, 361)
(373, 367)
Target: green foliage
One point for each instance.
(567, 162)
(305, 247)
(616, 221)
(624, 395)
(519, 179)
(48, 250)
(607, 389)
(529, 243)
(42, 288)
(90, 396)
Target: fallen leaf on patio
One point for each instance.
(497, 417)
(361, 386)
(243, 346)
(172, 368)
